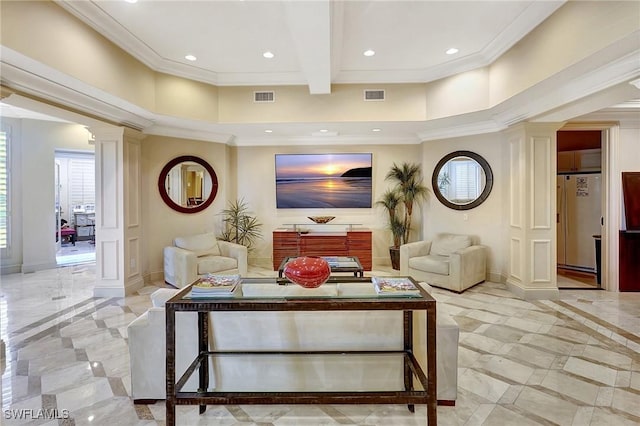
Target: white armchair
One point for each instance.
(449, 261)
(202, 254)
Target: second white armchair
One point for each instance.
(202, 254)
(450, 261)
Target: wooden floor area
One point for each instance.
(568, 278)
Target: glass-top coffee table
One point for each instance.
(336, 263)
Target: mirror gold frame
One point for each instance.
(162, 185)
(488, 175)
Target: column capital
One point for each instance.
(5, 92)
(530, 127)
(101, 132)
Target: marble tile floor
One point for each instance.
(82, 252)
(572, 361)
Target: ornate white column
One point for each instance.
(117, 224)
(532, 210)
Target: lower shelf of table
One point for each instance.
(390, 377)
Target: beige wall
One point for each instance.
(256, 183)
(161, 224)
(45, 32)
(575, 31)
(487, 221)
(180, 97)
(345, 103)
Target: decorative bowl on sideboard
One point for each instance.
(321, 219)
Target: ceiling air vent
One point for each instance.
(264, 96)
(374, 95)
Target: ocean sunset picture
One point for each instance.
(323, 181)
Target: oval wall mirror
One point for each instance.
(462, 180)
(188, 184)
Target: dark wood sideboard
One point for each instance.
(349, 243)
(629, 272)
(629, 261)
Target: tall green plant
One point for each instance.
(391, 201)
(239, 225)
(409, 191)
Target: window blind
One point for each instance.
(4, 191)
(82, 182)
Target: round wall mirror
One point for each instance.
(188, 184)
(462, 180)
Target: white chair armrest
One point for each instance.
(180, 267)
(409, 250)
(236, 251)
(468, 266)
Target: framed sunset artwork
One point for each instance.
(305, 181)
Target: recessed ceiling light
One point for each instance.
(268, 131)
(268, 54)
(369, 52)
(323, 130)
(190, 58)
(131, 1)
(376, 130)
(451, 51)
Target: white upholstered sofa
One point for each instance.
(298, 331)
(201, 254)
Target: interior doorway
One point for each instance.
(75, 207)
(579, 215)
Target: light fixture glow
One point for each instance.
(323, 130)
(376, 130)
(190, 58)
(268, 54)
(131, 1)
(451, 51)
(369, 52)
(268, 131)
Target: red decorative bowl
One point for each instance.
(307, 271)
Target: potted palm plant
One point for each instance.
(399, 201)
(240, 226)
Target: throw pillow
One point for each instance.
(202, 244)
(447, 244)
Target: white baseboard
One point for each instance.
(533, 293)
(133, 285)
(108, 292)
(26, 269)
(496, 277)
(10, 269)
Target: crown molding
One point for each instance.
(327, 140)
(604, 76)
(34, 78)
(103, 23)
(599, 73)
(165, 125)
(520, 27)
(535, 13)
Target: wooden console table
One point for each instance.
(407, 360)
(293, 243)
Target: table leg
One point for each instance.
(432, 398)
(203, 347)
(408, 347)
(170, 366)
